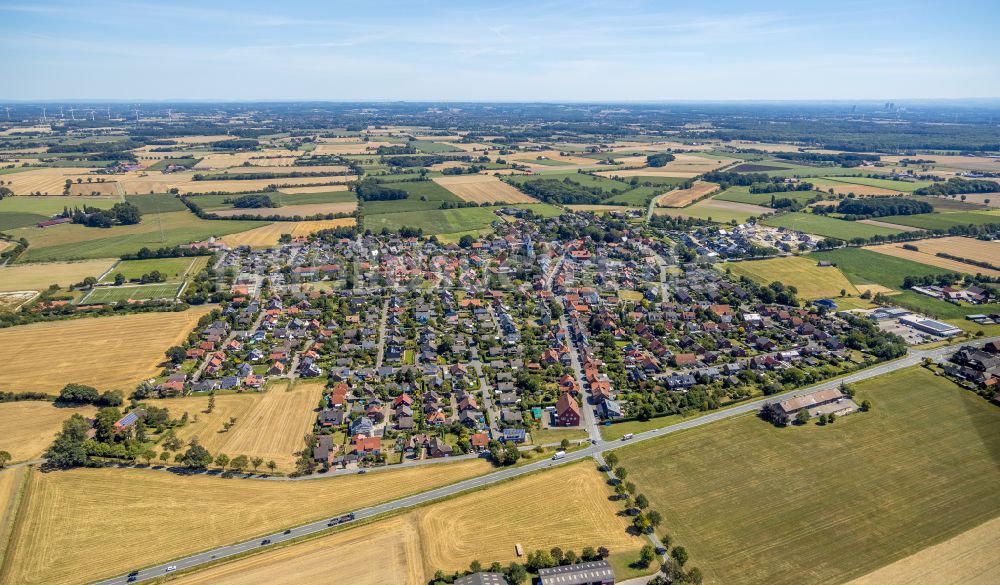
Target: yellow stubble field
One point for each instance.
(104, 352)
(268, 235)
(148, 516)
(39, 276)
(483, 189)
(566, 507)
(684, 197)
(30, 425)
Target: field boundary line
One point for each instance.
(10, 529)
(108, 271)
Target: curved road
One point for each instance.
(593, 450)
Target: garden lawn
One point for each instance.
(802, 505)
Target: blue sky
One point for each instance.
(580, 51)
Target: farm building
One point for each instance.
(129, 419)
(592, 573)
(819, 402)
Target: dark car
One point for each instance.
(289, 531)
(265, 541)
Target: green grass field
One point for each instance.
(156, 203)
(713, 211)
(943, 221)
(867, 267)
(218, 202)
(743, 195)
(77, 242)
(172, 268)
(447, 221)
(638, 197)
(806, 505)
(16, 219)
(942, 309)
(430, 147)
(904, 186)
(581, 178)
(944, 204)
(112, 294)
(51, 205)
(802, 272)
(827, 226)
(423, 196)
(163, 164)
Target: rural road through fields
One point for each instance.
(593, 450)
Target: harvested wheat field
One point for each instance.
(483, 525)
(483, 189)
(268, 235)
(531, 511)
(104, 352)
(207, 426)
(968, 163)
(30, 425)
(685, 197)
(988, 199)
(384, 552)
(313, 189)
(48, 180)
(350, 148)
(963, 247)
(147, 516)
(40, 276)
(967, 559)
(875, 289)
(107, 188)
(272, 428)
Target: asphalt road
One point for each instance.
(594, 450)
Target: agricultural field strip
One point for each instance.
(913, 358)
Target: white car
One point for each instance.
(171, 568)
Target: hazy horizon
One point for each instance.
(557, 51)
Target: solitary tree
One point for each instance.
(5, 458)
(802, 417)
(271, 465)
(647, 555)
(256, 462)
(222, 460)
(611, 459)
(679, 554)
